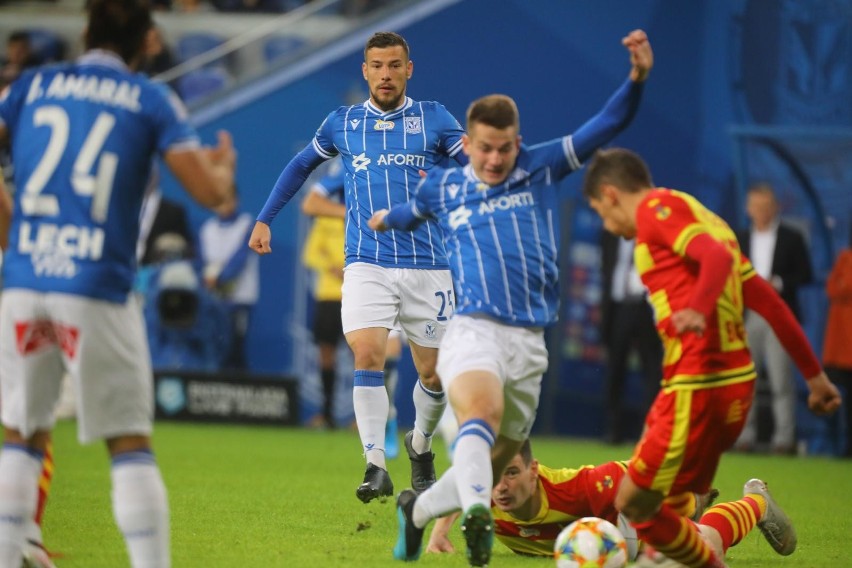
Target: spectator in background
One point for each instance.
(779, 254)
(837, 355)
(231, 271)
(323, 254)
(158, 55)
(18, 57)
(627, 324)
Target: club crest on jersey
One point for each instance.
(482, 186)
(412, 125)
(383, 124)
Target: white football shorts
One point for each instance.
(515, 355)
(420, 302)
(101, 345)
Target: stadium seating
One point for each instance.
(192, 44)
(201, 83)
(277, 47)
(47, 46)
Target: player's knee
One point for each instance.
(430, 379)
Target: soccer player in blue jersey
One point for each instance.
(395, 279)
(497, 221)
(83, 135)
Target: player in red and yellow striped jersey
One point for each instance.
(532, 503)
(699, 283)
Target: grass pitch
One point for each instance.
(243, 496)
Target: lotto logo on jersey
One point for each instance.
(383, 124)
(33, 336)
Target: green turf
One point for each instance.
(245, 496)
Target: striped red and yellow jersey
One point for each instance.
(566, 495)
(667, 220)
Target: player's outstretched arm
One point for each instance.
(641, 55)
(619, 110)
(206, 173)
(439, 540)
(760, 296)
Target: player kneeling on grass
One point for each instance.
(532, 503)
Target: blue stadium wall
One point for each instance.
(717, 64)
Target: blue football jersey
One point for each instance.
(84, 135)
(502, 241)
(382, 154)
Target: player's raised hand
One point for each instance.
(377, 221)
(223, 154)
(641, 56)
(689, 320)
(260, 238)
(824, 398)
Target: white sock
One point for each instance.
(370, 400)
(428, 408)
(440, 499)
(20, 469)
(141, 509)
(472, 462)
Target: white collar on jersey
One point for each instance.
(104, 58)
(368, 104)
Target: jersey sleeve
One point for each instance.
(451, 134)
(324, 138)
(407, 216)
(174, 132)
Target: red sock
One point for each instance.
(733, 520)
(678, 538)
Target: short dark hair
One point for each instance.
(19, 36)
(619, 167)
(526, 452)
(499, 111)
(119, 25)
(382, 40)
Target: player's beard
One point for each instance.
(387, 100)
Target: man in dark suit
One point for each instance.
(627, 323)
(780, 255)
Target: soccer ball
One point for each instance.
(590, 542)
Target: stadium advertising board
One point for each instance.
(226, 397)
